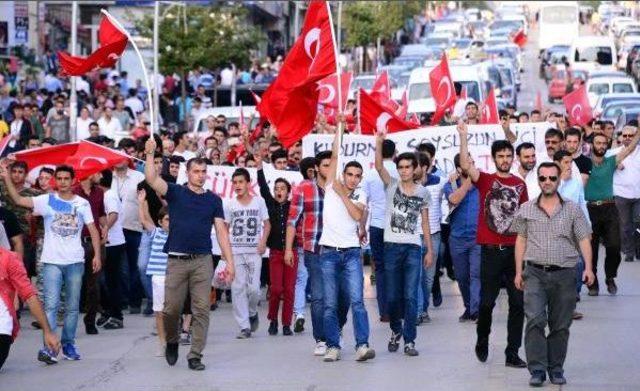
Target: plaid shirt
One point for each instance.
(551, 240)
(306, 206)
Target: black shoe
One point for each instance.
(437, 299)
(286, 330)
(273, 328)
(299, 325)
(196, 364)
(394, 342)
(90, 327)
(482, 350)
(135, 310)
(473, 318)
(557, 378)
(514, 361)
(627, 258)
(451, 274)
(537, 379)
(228, 296)
(612, 288)
(114, 324)
(102, 320)
(255, 323)
(171, 353)
(213, 307)
(36, 325)
(148, 312)
(594, 289)
(465, 317)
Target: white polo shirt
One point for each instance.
(339, 229)
(626, 178)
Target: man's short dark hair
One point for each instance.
(547, 165)
(106, 179)
(50, 140)
(632, 122)
(176, 159)
(573, 132)
(178, 136)
(94, 124)
(306, 164)
(324, 155)
(234, 123)
(48, 170)
(126, 143)
(241, 172)
(523, 114)
(524, 146)
(553, 132)
(500, 145)
(471, 103)
(388, 149)
(427, 148)
(560, 155)
(352, 163)
(423, 160)
(65, 168)
(196, 161)
(286, 183)
(20, 164)
(456, 160)
(536, 111)
(279, 154)
(407, 156)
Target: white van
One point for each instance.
(593, 52)
(605, 85)
(419, 89)
(231, 113)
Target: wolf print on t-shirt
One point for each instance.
(66, 220)
(501, 205)
(404, 214)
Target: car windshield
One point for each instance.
(622, 87)
(419, 91)
(600, 54)
(436, 41)
(599, 88)
(505, 24)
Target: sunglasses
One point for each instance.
(543, 178)
(626, 135)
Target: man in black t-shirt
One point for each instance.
(573, 145)
(12, 232)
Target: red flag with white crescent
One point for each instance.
(489, 114)
(578, 107)
(328, 88)
(375, 117)
(442, 89)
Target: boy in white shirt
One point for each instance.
(245, 215)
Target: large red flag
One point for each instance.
(519, 38)
(328, 88)
(489, 113)
(381, 90)
(376, 117)
(578, 107)
(442, 89)
(291, 101)
(404, 107)
(113, 41)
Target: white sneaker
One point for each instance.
(364, 353)
(321, 349)
(333, 354)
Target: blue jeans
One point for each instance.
(342, 270)
(53, 277)
(579, 271)
(132, 287)
(302, 276)
(428, 274)
(144, 252)
(376, 239)
(403, 263)
(465, 254)
(312, 263)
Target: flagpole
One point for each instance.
(153, 121)
(339, 77)
(73, 97)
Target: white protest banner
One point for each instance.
(219, 179)
(445, 138)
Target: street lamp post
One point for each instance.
(73, 98)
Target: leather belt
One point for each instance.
(339, 249)
(500, 247)
(599, 203)
(547, 268)
(185, 256)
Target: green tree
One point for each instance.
(366, 21)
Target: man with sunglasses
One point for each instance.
(602, 208)
(550, 231)
(626, 193)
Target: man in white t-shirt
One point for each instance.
(109, 126)
(245, 215)
(83, 123)
(115, 249)
(181, 141)
(340, 252)
(64, 215)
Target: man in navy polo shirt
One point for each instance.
(192, 210)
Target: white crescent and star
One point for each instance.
(100, 160)
(312, 36)
(332, 93)
(381, 122)
(577, 108)
(447, 82)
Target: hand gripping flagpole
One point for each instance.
(339, 78)
(144, 69)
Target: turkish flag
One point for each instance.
(3, 144)
(577, 105)
(442, 89)
(113, 41)
(404, 107)
(489, 114)
(376, 117)
(519, 38)
(381, 90)
(85, 157)
(328, 88)
(414, 119)
(291, 101)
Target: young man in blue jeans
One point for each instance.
(64, 215)
(405, 200)
(340, 256)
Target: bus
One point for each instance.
(558, 23)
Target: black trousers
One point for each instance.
(497, 267)
(5, 345)
(606, 229)
(111, 296)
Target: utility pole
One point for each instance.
(155, 101)
(73, 99)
